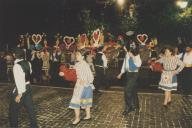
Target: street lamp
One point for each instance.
(120, 2)
(182, 4)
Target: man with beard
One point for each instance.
(131, 65)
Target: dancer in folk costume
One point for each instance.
(45, 56)
(131, 64)
(55, 60)
(22, 93)
(83, 91)
(10, 62)
(168, 80)
(186, 74)
(36, 63)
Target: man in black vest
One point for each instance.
(21, 95)
(100, 67)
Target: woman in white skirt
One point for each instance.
(83, 91)
(172, 66)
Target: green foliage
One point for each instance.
(127, 23)
(159, 18)
(163, 19)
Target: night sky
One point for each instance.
(52, 16)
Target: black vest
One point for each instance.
(98, 59)
(26, 69)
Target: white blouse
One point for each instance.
(19, 77)
(136, 59)
(83, 72)
(187, 59)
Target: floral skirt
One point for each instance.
(82, 97)
(168, 82)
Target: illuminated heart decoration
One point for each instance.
(68, 41)
(36, 38)
(142, 38)
(96, 36)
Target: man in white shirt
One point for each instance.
(131, 65)
(21, 95)
(186, 74)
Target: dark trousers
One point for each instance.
(54, 71)
(186, 80)
(37, 73)
(100, 77)
(14, 108)
(130, 91)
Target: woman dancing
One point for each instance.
(83, 91)
(168, 80)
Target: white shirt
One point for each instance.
(19, 77)
(136, 60)
(104, 58)
(187, 59)
(179, 55)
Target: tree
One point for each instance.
(127, 22)
(87, 20)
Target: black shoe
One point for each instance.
(125, 113)
(165, 106)
(97, 91)
(134, 108)
(169, 103)
(131, 110)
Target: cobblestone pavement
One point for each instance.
(51, 105)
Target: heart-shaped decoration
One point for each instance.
(96, 36)
(68, 41)
(36, 38)
(142, 38)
